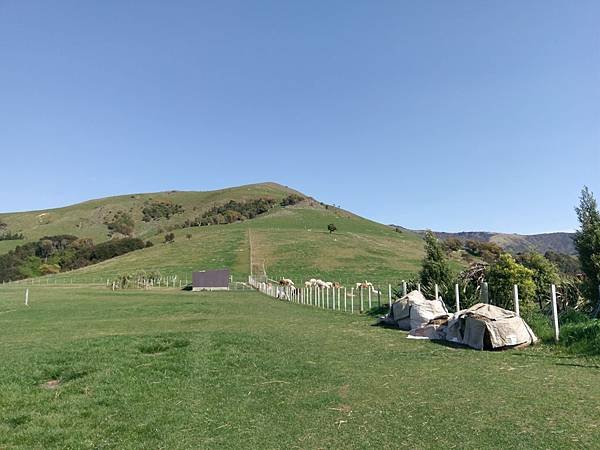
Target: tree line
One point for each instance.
(54, 254)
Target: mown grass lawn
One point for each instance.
(84, 367)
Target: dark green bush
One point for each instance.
(158, 210)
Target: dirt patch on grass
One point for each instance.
(50, 384)
(343, 391)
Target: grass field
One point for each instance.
(172, 369)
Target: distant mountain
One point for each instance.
(515, 243)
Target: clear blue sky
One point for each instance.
(450, 115)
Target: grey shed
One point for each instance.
(210, 280)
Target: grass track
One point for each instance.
(172, 369)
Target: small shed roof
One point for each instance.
(210, 278)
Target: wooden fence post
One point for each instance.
(555, 314)
(516, 296)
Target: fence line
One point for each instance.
(333, 298)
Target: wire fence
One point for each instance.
(340, 298)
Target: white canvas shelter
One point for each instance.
(489, 327)
(414, 311)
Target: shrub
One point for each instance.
(116, 247)
(291, 199)
(503, 275)
(158, 210)
(121, 223)
(234, 211)
(10, 236)
(47, 269)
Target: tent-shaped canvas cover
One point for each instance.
(490, 327)
(414, 311)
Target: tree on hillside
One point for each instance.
(435, 269)
(567, 264)
(545, 273)
(587, 243)
(121, 223)
(503, 275)
(331, 227)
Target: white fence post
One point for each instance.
(403, 288)
(370, 290)
(352, 299)
(419, 287)
(361, 300)
(457, 296)
(345, 300)
(390, 297)
(485, 298)
(516, 296)
(437, 291)
(26, 297)
(555, 314)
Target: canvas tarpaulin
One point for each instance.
(414, 311)
(487, 326)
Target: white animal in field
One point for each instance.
(286, 282)
(365, 285)
(307, 284)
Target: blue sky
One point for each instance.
(429, 114)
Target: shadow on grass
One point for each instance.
(586, 366)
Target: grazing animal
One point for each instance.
(365, 284)
(286, 282)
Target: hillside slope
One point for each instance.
(517, 243)
(87, 219)
(290, 241)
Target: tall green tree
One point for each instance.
(435, 269)
(503, 275)
(587, 243)
(545, 273)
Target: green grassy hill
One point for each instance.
(87, 219)
(288, 241)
